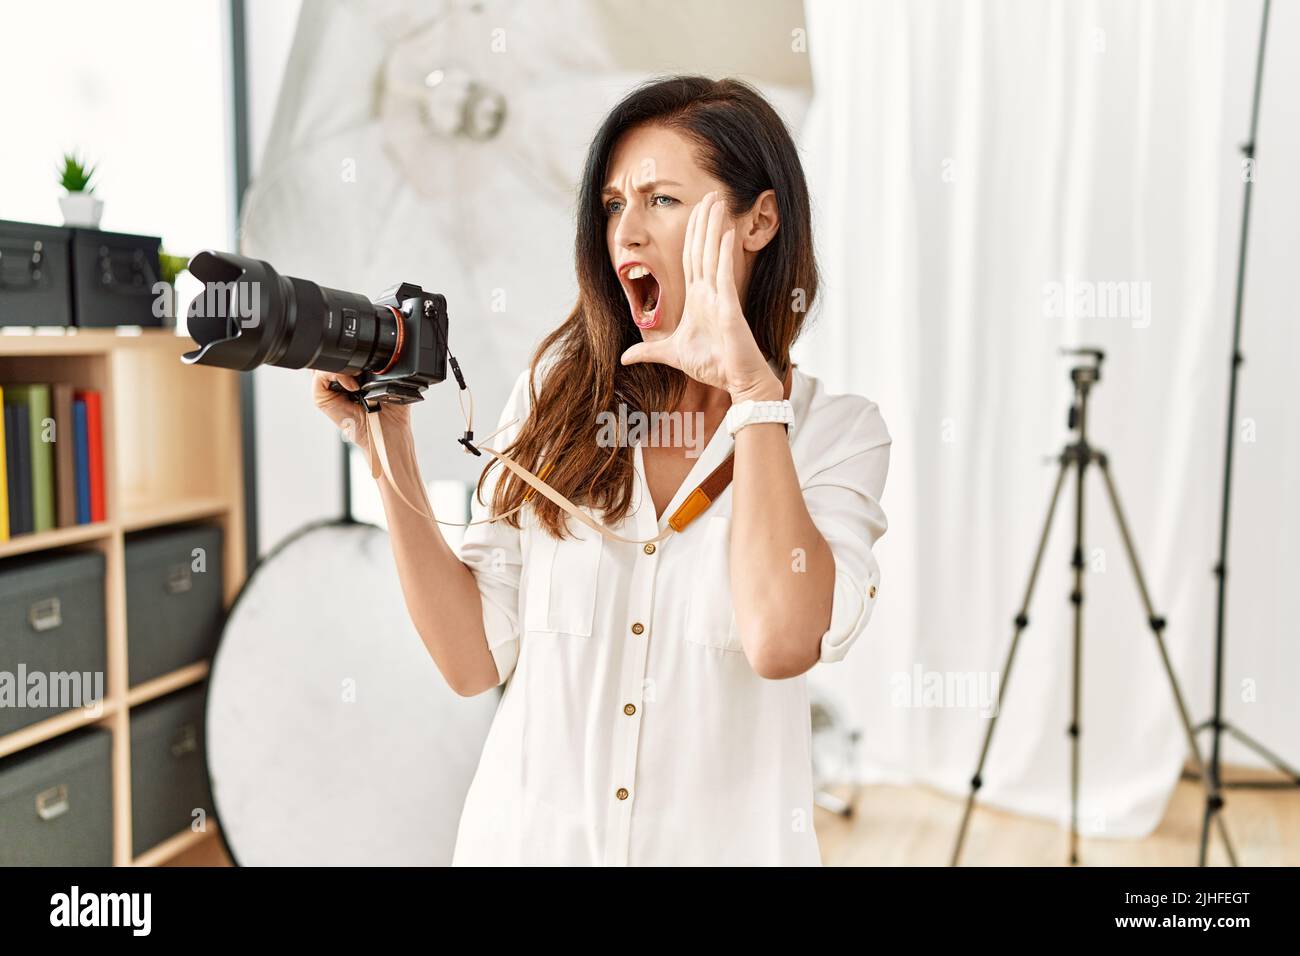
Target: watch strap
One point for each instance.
(755, 412)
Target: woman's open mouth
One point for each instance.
(642, 294)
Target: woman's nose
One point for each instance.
(631, 228)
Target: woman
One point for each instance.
(655, 708)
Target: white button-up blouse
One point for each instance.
(632, 729)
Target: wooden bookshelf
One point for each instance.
(172, 454)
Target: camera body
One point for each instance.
(421, 360)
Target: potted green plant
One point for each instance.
(80, 207)
(171, 268)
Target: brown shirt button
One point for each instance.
(622, 793)
(871, 591)
(638, 628)
(650, 548)
(629, 709)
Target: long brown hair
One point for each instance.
(742, 143)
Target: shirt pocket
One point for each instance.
(710, 617)
(562, 581)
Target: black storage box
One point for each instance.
(56, 802)
(35, 277)
(52, 624)
(173, 612)
(113, 279)
(169, 774)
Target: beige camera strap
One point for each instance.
(691, 508)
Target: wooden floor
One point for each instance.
(916, 826)
(206, 853)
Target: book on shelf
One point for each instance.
(18, 464)
(95, 449)
(82, 470)
(12, 490)
(4, 471)
(65, 477)
(52, 457)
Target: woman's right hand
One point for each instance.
(349, 416)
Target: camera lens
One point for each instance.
(249, 315)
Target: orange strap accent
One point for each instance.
(708, 492)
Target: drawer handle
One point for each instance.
(142, 274)
(53, 802)
(30, 264)
(187, 741)
(45, 615)
(179, 579)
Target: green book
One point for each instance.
(43, 435)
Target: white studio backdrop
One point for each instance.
(964, 157)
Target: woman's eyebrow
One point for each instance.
(642, 188)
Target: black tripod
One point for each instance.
(1213, 802)
(1079, 455)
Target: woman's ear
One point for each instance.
(760, 223)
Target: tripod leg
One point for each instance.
(1076, 598)
(1213, 800)
(1021, 622)
(1264, 752)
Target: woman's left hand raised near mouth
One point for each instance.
(712, 343)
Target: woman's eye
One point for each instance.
(668, 200)
(613, 206)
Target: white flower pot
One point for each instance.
(81, 209)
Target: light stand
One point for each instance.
(1213, 801)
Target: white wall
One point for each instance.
(138, 90)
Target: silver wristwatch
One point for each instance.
(750, 412)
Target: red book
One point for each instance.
(95, 442)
